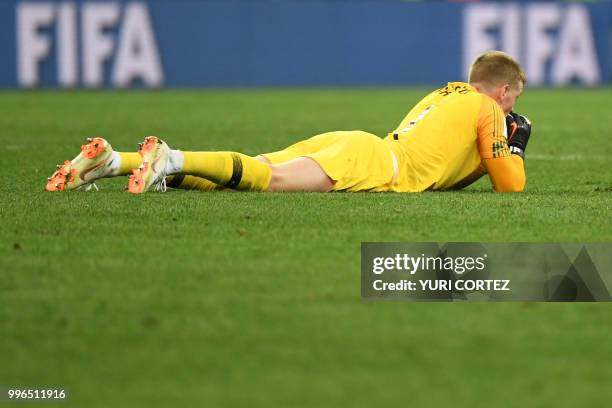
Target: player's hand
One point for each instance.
(519, 130)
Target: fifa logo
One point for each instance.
(89, 42)
(553, 42)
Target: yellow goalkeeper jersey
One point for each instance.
(442, 142)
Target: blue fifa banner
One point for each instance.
(218, 43)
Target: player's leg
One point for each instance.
(228, 169)
(96, 160)
(293, 171)
(188, 182)
(312, 165)
(285, 177)
(214, 170)
(300, 174)
(288, 170)
(342, 160)
(241, 172)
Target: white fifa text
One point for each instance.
(114, 41)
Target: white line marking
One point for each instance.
(568, 157)
(12, 147)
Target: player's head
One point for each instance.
(499, 76)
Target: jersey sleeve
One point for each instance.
(507, 174)
(491, 130)
(506, 171)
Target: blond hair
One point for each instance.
(497, 68)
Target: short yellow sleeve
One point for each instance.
(491, 129)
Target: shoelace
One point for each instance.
(89, 186)
(160, 183)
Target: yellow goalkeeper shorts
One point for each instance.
(355, 160)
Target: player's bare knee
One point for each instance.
(323, 184)
(276, 179)
(289, 177)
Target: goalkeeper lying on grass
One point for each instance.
(451, 138)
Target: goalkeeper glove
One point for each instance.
(519, 130)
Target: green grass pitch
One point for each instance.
(252, 299)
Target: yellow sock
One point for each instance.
(228, 169)
(129, 161)
(186, 182)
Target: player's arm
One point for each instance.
(506, 170)
(507, 174)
